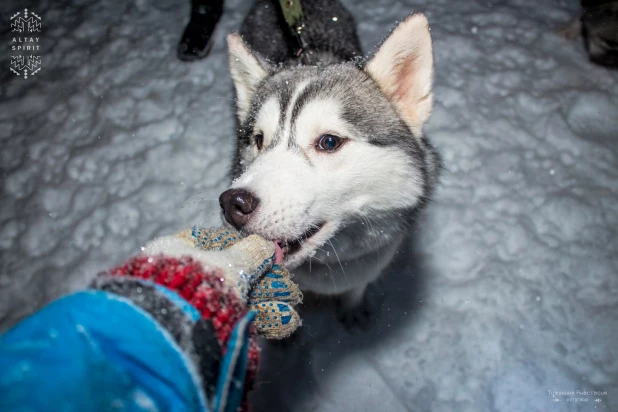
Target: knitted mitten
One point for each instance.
(247, 265)
(270, 296)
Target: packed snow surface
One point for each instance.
(506, 295)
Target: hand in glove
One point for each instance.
(223, 275)
(170, 330)
(249, 268)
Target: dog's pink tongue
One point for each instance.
(278, 253)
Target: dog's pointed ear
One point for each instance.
(403, 69)
(247, 72)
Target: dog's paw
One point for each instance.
(356, 309)
(354, 318)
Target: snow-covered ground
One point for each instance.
(509, 289)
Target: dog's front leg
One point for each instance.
(355, 308)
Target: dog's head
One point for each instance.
(321, 146)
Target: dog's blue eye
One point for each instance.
(329, 142)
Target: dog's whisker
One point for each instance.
(370, 224)
(374, 233)
(321, 261)
(329, 269)
(192, 200)
(340, 264)
(194, 194)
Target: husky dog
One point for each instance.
(331, 158)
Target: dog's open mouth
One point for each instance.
(290, 247)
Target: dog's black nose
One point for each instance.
(238, 205)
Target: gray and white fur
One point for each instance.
(364, 196)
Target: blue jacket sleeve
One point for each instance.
(95, 351)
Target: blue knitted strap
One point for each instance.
(234, 367)
(178, 300)
(94, 350)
